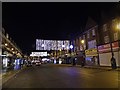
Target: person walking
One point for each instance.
(113, 63)
(82, 61)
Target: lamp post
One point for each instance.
(63, 46)
(83, 49)
(83, 54)
(113, 60)
(118, 31)
(82, 42)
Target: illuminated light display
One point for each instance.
(66, 44)
(60, 43)
(67, 47)
(63, 46)
(52, 44)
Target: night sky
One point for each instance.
(26, 22)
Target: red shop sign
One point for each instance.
(106, 47)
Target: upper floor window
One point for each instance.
(106, 39)
(88, 34)
(7, 36)
(84, 37)
(115, 36)
(114, 23)
(93, 32)
(92, 44)
(105, 27)
(80, 39)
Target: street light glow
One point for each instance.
(6, 44)
(82, 41)
(118, 26)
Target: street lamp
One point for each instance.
(113, 60)
(12, 49)
(118, 26)
(82, 42)
(6, 44)
(83, 53)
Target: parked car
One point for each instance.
(29, 63)
(37, 63)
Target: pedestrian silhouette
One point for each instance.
(113, 63)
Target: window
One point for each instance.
(93, 32)
(105, 27)
(106, 39)
(115, 36)
(88, 34)
(80, 39)
(92, 44)
(7, 36)
(84, 37)
(114, 23)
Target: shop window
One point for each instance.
(106, 39)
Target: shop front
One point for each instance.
(7, 62)
(105, 54)
(91, 57)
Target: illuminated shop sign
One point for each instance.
(91, 52)
(107, 48)
(38, 54)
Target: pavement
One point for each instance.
(107, 68)
(6, 76)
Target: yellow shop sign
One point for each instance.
(91, 52)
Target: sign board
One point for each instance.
(38, 54)
(91, 52)
(107, 48)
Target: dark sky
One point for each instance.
(25, 22)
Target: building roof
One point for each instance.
(90, 23)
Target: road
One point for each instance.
(62, 76)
